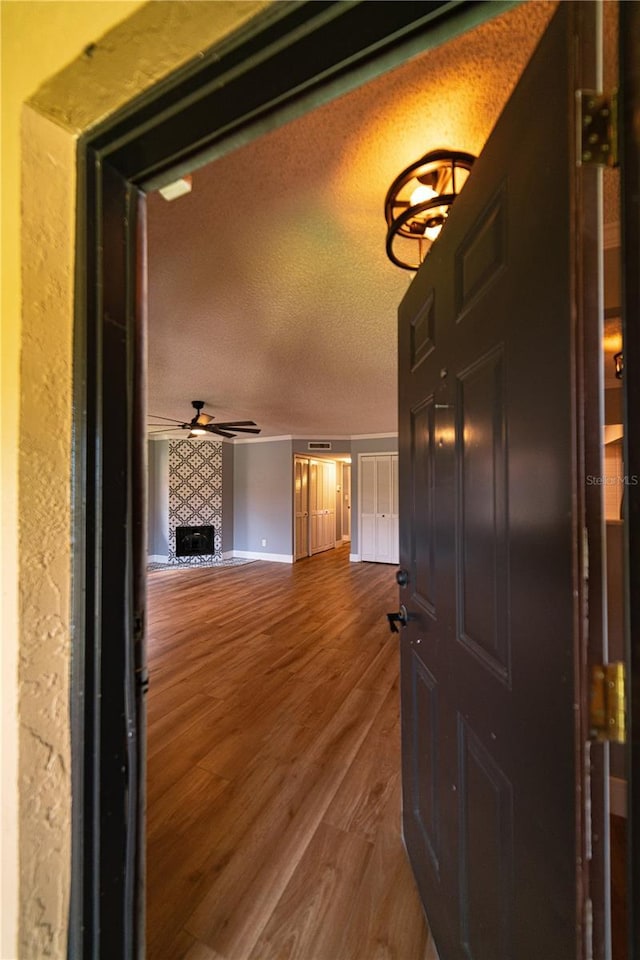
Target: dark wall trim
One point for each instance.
(285, 55)
(292, 56)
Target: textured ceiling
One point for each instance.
(270, 294)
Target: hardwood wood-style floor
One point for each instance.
(274, 766)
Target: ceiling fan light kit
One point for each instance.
(418, 203)
(202, 423)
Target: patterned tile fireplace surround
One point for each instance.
(195, 494)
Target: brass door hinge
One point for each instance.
(607, 711)
(598, 128)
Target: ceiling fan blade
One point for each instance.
(161, 430)
(202, 419)
(221, 433)
(242, 429)
(156, 417)
(238, 423)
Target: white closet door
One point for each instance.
(346, 501)
(379, 534)
(368, 508)
(330, 504)
(384, 495)
(315, 505)
(395, 526)
(323, 473)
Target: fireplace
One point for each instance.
(194, 541)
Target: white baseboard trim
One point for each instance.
(618, 796)
(272, 557)
(228, 554)
(354, 557)
(346, 538)
(157, 558)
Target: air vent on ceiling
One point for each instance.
(319, 445)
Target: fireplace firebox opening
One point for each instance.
(194, 541)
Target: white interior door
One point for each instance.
(322, 504)
(346, 501)
(395, 511)
(301, 507)
(315, 512)
(368, 508)
(379, 508)
(329, 503)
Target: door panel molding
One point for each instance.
(423, 328)
(424, 781)
(482, 255)
(482, 520)
(485, 798)
(423, 500)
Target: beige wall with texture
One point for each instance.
(38, 38)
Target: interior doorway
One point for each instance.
(116, 933)
(321, 504)
(314, 505)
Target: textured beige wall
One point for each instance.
(38, 39)
(45, 521)
(150, 44)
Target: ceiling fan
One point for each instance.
(202, 423)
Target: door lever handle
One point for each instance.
(394, 618)
(402, 616)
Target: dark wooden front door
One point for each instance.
(492, 480)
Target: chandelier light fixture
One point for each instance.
(418, 203)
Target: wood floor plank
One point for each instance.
(201, 952)
(166, 766)
(194, 714)
(179, 946)
(231, 917)
(192, 792)
(387, 922)
(174, 693)
(272, 751)
(184, 865)
(361, 801)
(315, 907)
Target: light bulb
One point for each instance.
(197, 432)
(422, 193)
(432, 233)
